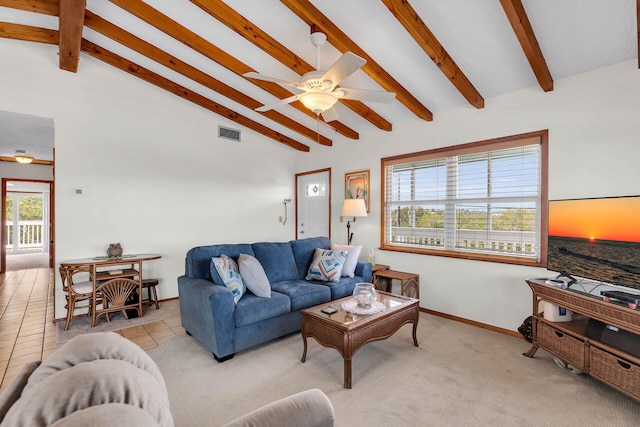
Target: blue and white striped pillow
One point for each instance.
(326, 265)
(227, 269)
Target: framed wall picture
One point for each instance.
(356, 186)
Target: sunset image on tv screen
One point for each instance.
(597, 239)
(596, 219)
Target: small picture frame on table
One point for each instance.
(356, 186)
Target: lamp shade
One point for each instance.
(21, 157)
(354, 208)
(318, 101)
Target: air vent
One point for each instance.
(228, 133)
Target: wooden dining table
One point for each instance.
(102, 268)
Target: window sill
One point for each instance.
(503, 259)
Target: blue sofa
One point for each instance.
(210, 315)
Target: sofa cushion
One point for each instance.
(251, 309)
(254, 276)
(225, 271)
(302, 293)
(11, 394)
(108, 415)
(327, 265)
(198, 260)
(277, 260)
(303, 250)
(341, 289)
(353, 253)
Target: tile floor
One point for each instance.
(27, 329)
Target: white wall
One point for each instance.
(594, 147)
(26, 171)
(157, 178)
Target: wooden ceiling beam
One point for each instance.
(170, 27)
(34, 162)
(149, 76)
(415, 26)
(28, 33)
(522, 27)
(46, 7)
(136, 44)
(70, 27)
(312, 16)
(232, 19)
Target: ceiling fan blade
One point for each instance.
(330, 115)
(277, 104)
(348, 64)
(258, 76)
(366, 95)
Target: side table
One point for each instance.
(379, 267)
(409, 282)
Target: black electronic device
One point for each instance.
(596, 239)
(329, 310)
(631, 299)
(613, 337)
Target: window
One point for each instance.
(484, 200)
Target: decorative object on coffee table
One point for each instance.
(351, 306)
(364, 294)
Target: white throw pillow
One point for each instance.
(254, 276)
(353, 253)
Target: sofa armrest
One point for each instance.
(363, 269)
(207, 313)
(310, 408)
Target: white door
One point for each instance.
(313, 204)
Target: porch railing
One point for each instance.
(28, 239)
(520, 243)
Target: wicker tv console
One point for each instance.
(568, 340)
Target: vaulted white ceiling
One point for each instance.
(574, 36)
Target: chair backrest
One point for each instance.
(116, 291)
(411, 290)
(67, 273)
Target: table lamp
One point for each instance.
(354, 208)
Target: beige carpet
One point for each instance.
(82, 325)
(459, 376)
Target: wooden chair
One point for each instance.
(76, 292)
(152, 295)
(114, 294)
(411, 289)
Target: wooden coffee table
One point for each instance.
(347, 332)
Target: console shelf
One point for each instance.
(568, 340)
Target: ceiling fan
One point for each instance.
(320, 88)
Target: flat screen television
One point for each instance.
(596, 239)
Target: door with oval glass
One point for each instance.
(313, 203)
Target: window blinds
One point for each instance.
(466, 200)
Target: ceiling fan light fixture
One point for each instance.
(318, 102)
(21, 157)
